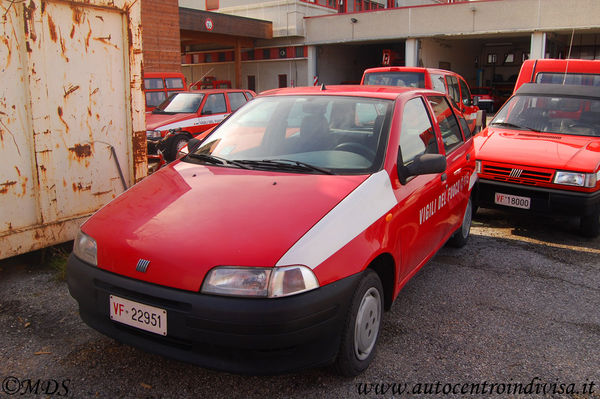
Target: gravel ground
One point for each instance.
(520, 304)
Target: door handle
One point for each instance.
(468, 157)
(444, 177)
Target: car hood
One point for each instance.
(544, 150)
(186, 218)
(155, 121)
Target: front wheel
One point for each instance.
(177, 143)
(460, 237)
(362, 326)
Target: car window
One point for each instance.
(347, 135)
(153, 83)
(236, 100)
(465, 127)
(215, 104)
(437, 82)
(181, 103)
(398, 78)
(453, 90)
(451, 135)
(465, 95)
(249, 95)
(417, 136)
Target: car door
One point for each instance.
(421, 226)
(459, 161)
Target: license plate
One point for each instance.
(513, 200)
(138, 315)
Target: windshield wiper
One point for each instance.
(515, 126)
(215, 160)
(284, 164)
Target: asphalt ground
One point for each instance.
(514, 314)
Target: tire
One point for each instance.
(177, 142)
(362, 327)
(460, 237)
(589, 226)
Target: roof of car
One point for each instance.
(408, 69)
(385, 92)
(210, 91)
(560, 90)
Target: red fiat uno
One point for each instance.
(278, 241)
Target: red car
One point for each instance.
(189, 114)
(487, 99)
(278, 241)
(541, 154)
(451, 83)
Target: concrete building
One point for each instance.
(333, 41)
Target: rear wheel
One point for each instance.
(361, 329)
(460, 237)
(589, 226)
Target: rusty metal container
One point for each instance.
(72, 125)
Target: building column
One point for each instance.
(238, 64)
(538, 45)
(411, 52)
(312, 65)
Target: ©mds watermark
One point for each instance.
(27, 386)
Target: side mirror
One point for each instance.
(193, 144)
(422, 165)
(476, 101)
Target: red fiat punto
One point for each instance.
(278, 241)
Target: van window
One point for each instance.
(174, 83)
(582, 79)
(155, 98)
(404, 79)
(153, 83)
(451, 135)
(417, 136)
(437, 82)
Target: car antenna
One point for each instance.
(568, 57)
(323, 88)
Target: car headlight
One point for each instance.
(153, 134)
(85, 248)
(578, 179)
(259, 282)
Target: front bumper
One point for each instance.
(543, 200)
(241, 335)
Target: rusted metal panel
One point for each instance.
(71, 115)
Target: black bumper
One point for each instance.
(240, 335)
(543, 200)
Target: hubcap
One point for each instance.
(367, 323)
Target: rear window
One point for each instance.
(404, 79)
(581, 79)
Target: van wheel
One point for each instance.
(589, 226)
(459, 238)
(177, 143)
(362, 326)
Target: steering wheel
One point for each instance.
(356, 148)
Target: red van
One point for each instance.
(158, 86)
(571, 72)
(442, 80)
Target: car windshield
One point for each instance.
(404, 79)
(180, 103)
(306, 134)
(553, 114)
